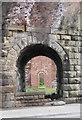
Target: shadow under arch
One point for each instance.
(37, 50)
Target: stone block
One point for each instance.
(72, 68)
(8, 38)
(72, 74)
(18, 102)
(15, 35)
(66, 43)
(62, 42)
(73, 32)
(70, 100)
(8, 89)
(65, 37)
(80, 49)
(40, 30)
(71, 55)
(38, 101)
(74, 80)
(11, 74)
(65, 81)
(33, 104)
(40, 104)
(11, 40)
(68, 74)
(77, 55)
(77, 43)
(9, 104)
(80, 38)
(74, 93)
(35, 97)
(76, 38)
(56, 31)
(28, 97)
(9, 97)
(16, 48)
(20, 45)
(3, 98)
(13, 52)
(81, 87)
(65, 94)
(5, 39)
(71, 87)
(30, 101)
(78, 61)
(5, 82)
(24, 105)
(18, 94)
(41, 96)
(24, 101)
(74, 49)
(47, 100)
(72, 43)
(54, 37)
(79, 100)
(20, 98)
(18, 105)
(29, 41)
(10, 33)
(35, 40)
(4, 53)
(67, 48)
(16, 28)
(79, 74)
(24, 41)
(73, 61)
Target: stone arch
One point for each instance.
(23, 43)
(42, 71)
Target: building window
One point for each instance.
(41, 80)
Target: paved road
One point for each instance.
(64, 111)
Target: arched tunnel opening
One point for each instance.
(38, 50)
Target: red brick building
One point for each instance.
(38, 68)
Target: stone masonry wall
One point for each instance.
(70, 42)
